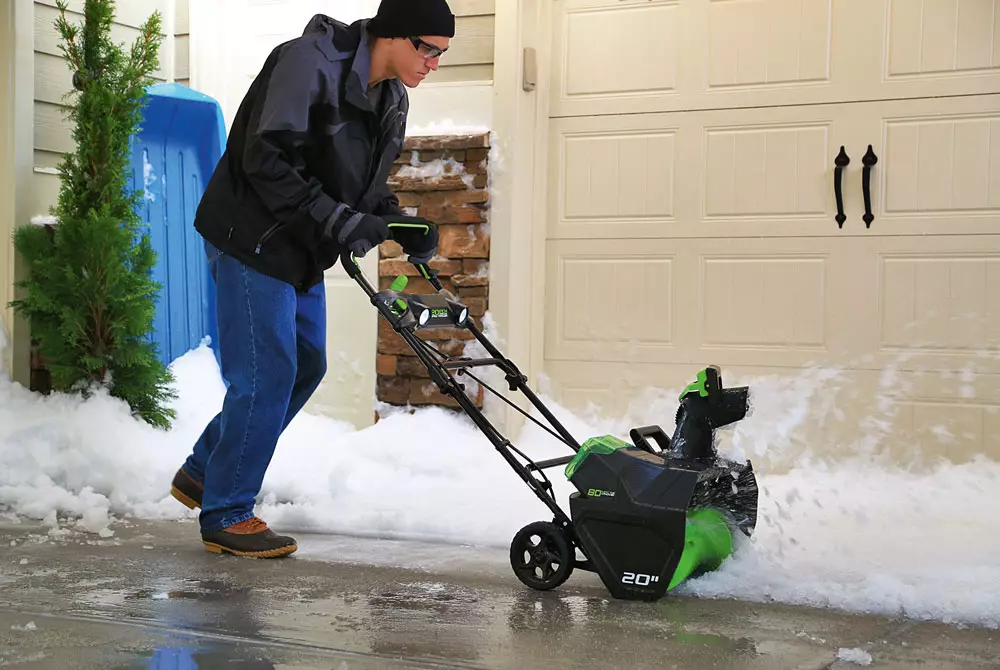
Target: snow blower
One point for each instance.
(647, 514)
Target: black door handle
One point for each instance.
(841, 161)
(868, 160)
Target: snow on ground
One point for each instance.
(857, 533)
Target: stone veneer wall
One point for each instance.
(445, 180)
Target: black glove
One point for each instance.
(417, 236)
(356, 231)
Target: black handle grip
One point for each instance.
(639, 436)
(841, 161)
(868, 160)
(349, 264)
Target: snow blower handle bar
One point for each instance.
(350, 265)
(422, 227)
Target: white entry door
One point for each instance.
(230, 40)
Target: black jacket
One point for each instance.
(306, 145)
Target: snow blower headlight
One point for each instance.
(437, 311)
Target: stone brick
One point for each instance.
(445, 183)
(466, 281)
(445, 334)
(477, 154)
(477, 306)
(476, 167)
(428, 393)
(436, 142)
(452, 347)
(473, 291)
(475, 266)
(394, 390)
(459, 241)
(466, 196)
(410, 366)
(443, 215)
(409, 199)
(461, 214)
(393, 267)
(385, 365)
(390, 249)
(389, 341)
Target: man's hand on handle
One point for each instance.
(417, 236)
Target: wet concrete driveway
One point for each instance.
(150, 597)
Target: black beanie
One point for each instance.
(408, 18)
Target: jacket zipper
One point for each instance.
(267, 234)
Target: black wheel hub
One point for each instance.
(541, 555)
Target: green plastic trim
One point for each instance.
(708, 541)
(605, 444)
(697, 386)
(399, 283)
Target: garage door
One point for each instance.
(693, 216)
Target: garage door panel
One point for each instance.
(940, 303)
(928, 303)
(722, 173)
(768, 42)
(741, 302)
(938, 169)
(610, 302)
(717, 54)
(943, 165)
(764, 302)
(934, 37)
(583, 49)
(773, 170)
(615, 176)
(618, 175)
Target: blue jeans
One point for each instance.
(272, 348)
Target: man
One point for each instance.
(303, 178)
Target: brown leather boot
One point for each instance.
(186, 489)
(250, 538)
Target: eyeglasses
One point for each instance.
(426, 49)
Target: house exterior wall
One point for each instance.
(53, 79)
(15, 173)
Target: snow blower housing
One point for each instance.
(645, 518)
(649, 519)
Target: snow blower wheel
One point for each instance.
(647, 514)
(541, 556)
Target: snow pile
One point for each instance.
(856, 656)
(858, 533)
(446, 127)
(434, 170)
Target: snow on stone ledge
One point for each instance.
(447, 127)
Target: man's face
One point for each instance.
(415, 57)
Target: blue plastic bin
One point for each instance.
(182, 138)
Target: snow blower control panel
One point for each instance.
(416, 312)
